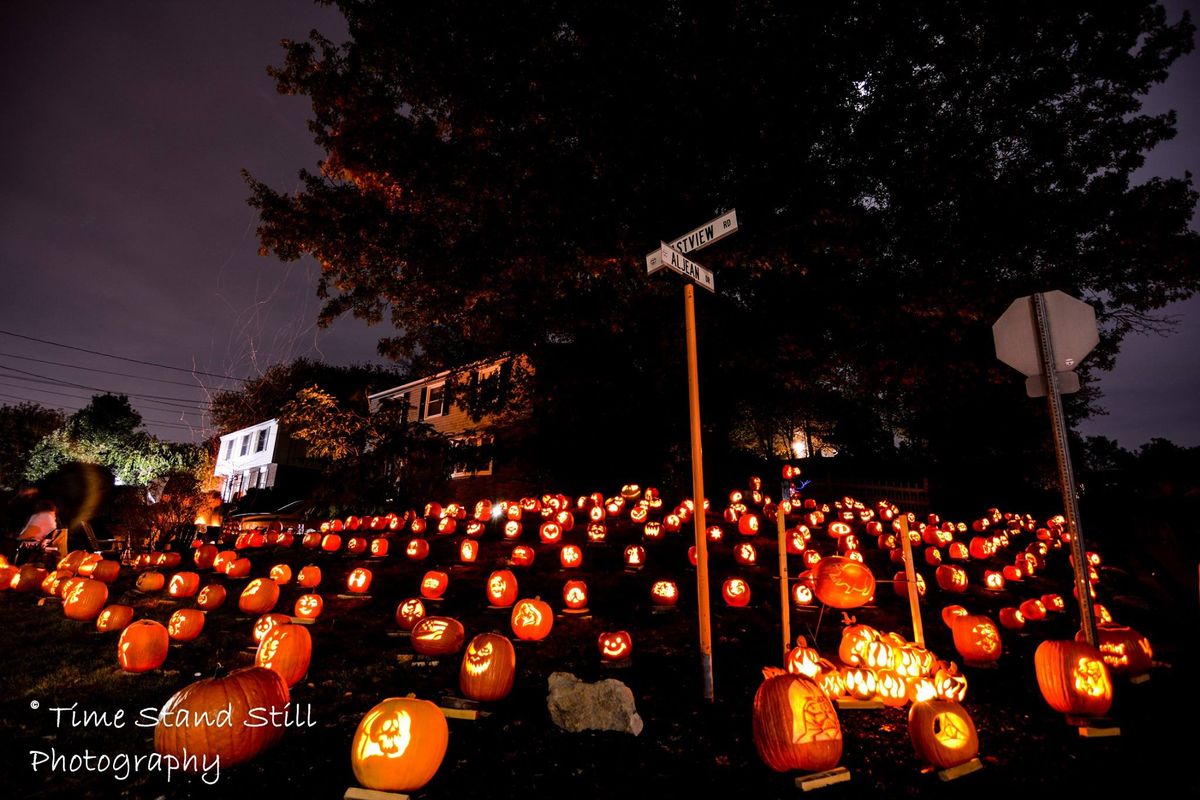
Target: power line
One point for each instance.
(104, 371)
(145, 420)
(121, 358)
(98, 389)
(77, 396)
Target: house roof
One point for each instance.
(371, 398)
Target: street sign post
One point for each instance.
(671, 256)
(1045, 336)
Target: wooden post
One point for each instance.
(702, 601)
(910, 576)
(784, 608)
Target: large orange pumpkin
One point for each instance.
(204, 556)
(1073, 678)
(488, 668)
(942, 733)
(143, 646)
(287, 650)
(84, 599)
(211, 597)
(182, 728)
(976, 638)
(842, 582)
(409, 613)
(399, 745)
(1124, 649)
(184, 584)
(502, 588)
(151, 582)
(795, 724)
(532, 619)
(259, 596)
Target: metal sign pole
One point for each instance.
(910, 574)
(784, 609)
(689, 308)
(1066, 475)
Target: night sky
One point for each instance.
(126, 230)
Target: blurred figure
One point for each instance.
(41, 525)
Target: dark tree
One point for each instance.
(22, 426)
(495, 173)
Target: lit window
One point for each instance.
(435, 401)
(262, 441)
(262, 478)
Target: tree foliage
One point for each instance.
(369, 461)
(22, 426)
(107, 432)
(495, 174)
(263, 398)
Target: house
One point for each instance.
(479, 464)
(261, 456)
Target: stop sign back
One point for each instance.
(1073, 333)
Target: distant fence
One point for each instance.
(908, 495)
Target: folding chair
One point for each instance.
(101, 546)
(55, 546)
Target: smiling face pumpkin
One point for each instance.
(615, 645)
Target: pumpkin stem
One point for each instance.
(801, 641)
(847, 619)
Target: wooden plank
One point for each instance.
(461, 713)
(359, 793)
(819, 780)
(1093, 732)
(850, 704)
(952, 773)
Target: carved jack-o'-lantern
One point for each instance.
(570, 556)
(417, 550)
(309, 606)
(434, 636)
(309, 577)
(143, 646)
(745, 554)
(433, 584)
(550, 532)
(976, 638)
(855, 640)
(1033, 609)
(1012, 618)
(185, 624)
(615, 645)
(532, 619)
(114, 618)
(950, 612)
(802, 595)
(409, 612)
(359, 580)
(891, 688)
(379, 547)
(941, 731)
(184, 584)
(211, 597)
(521, 556)
(286, 650)
(356, 545)
(259, 596)
(468, 550)
(664, 593)
(488, 667)
(1073, 678)
(512, 529)
(399, 745)
(993, 580)
(575, 595)
(281, 574)
(501, 588)
(795, 725)
(736, 592)
(842, 582)
(635, 556)
(596, 532)
(263, 625)
(1124, 650)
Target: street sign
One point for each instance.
(1073, 333)
(675, 260)
(1068, 383)
(711, 231)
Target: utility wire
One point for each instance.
(145, 420)
(105, 371)
(97, 389)
(121, 358)
(77, 396)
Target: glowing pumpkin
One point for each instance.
(635, 557)
(488, 668)
(575, 595)
(1033, 609)
(286, 650)
(114, 618)
(532, 620)
(204, 556)
(433, 584)
(795, 725)
(842, 582)
(976, 638)
(185, 624)
(281, 574)
(259, 596)
(417, 550)
(950, 612)
(151, 582)
(309, 606)
(359, 581)
(570, 556)
(941, 731)
(521, 556)
(736, 593)
(211, 597)
(1073, 678)
(85, 599)
(1123, 649)
(745, 554)
(409, 612)
(437, 636)
(615, 645)
(502, 588)
(664, 593)
(309, 577)
(143, 646)
(1012, 618)
(264, 624)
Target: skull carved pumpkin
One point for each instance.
(399, 745)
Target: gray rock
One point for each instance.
(603, 706)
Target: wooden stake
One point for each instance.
(784, 607)
(910, 575)
(966, 768)
(819, 780)
(702, 601)
(358, 793)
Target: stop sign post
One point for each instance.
(1045, 336)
